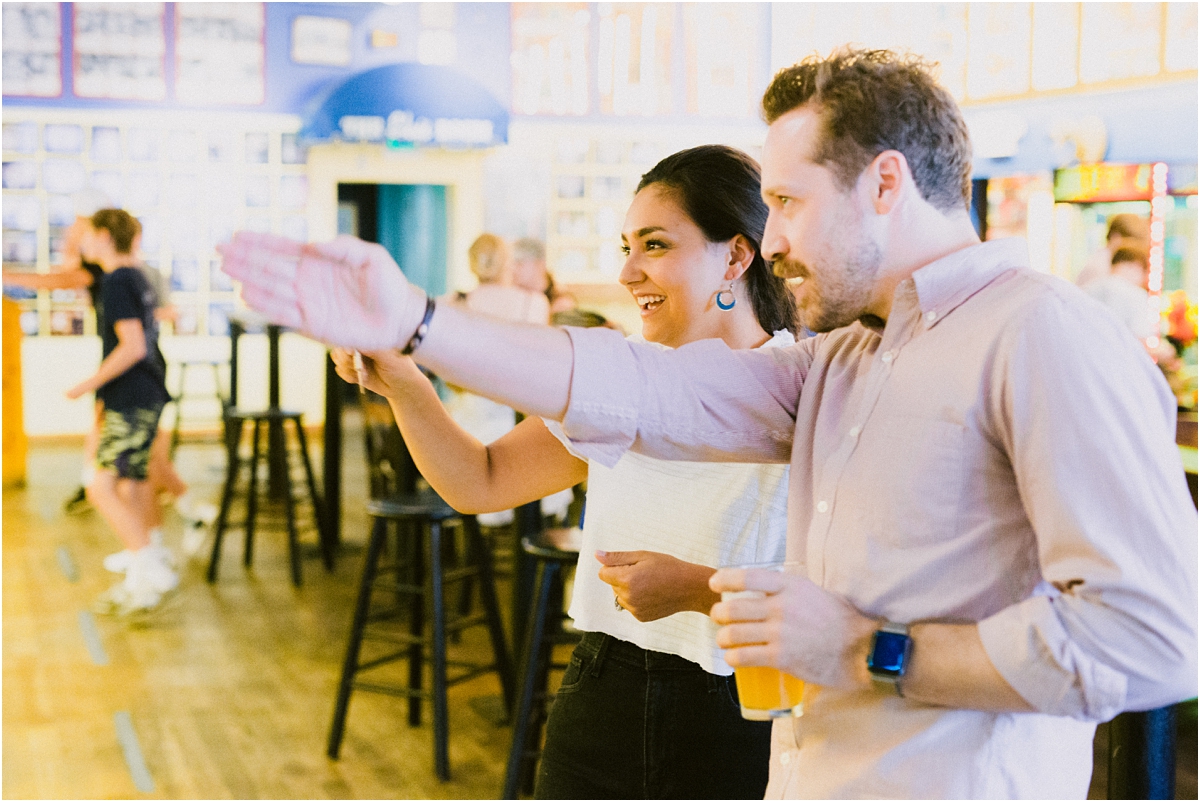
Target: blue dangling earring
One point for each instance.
(732, 299)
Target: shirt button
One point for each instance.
(854, 430)
(930, 317)
(785, 758)
(887, 357)
(822, 507)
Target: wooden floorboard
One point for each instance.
(230, 689)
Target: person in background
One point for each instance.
(130, 383)
(530, 272)
(499, 296)
(982, 582)
(1125, 230)
(77, 273)
(1123, 291)
(647, 707)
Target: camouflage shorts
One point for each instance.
(125, 439)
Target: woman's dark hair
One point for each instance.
(718, 187)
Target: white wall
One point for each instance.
(51, 365)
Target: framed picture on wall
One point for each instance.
(32, 49)
(119, 51)
(321, 40)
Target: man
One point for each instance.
(1125, 230)
(1123, 291)
(962, 433)
(129, 382)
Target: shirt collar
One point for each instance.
(945, 284)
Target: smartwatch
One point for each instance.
(888, 657)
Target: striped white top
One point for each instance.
(707, 513)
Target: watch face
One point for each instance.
(889, 653)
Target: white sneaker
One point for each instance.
(193, 509)
(195, 538)
(123, 602)
(150, 570)
(118, 562)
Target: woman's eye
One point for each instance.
(624, 249)
(784, 201)
(655, 245)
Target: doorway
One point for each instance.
(409, 220)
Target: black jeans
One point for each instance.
(634, 724)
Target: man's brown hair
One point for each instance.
(1134, 255)
(876, 100)
(1128, 226)
(120, 225)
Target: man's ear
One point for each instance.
(888, 178)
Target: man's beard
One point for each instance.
(835, 296)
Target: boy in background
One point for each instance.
(130, 382)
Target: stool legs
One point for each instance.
(233, 437)
(233, 434)
(441, 712)
(478, 550)
(318, 503)
(361, 607)
(252, 500)
(531, 672)
(416, 625)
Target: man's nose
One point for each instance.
(774, 243)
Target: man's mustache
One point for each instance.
(790, 269)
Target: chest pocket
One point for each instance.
(908, 475)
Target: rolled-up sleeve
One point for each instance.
(1103, 487)
(701, 402)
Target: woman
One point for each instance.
(647, 707)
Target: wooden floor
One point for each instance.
(229, 691)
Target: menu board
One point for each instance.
(723, 58)
(935, 31)
(1180, 47)
(1119, 41)
(32, 49)
(550, 58)
(1055, 63)
(998, 47)
(120, 49)
(633, 69)
(219, 53)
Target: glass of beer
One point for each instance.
(765, 692)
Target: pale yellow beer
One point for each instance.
(767, 693)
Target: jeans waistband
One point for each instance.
(605, 647)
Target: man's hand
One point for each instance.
(651, 585)
(76, 391)
(344, 292)
(795, 626)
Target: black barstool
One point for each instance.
(268, 419)
(420, 575)
(551, 550)
(424, 566)
(215, 366)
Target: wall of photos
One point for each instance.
(191, 179)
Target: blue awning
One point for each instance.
(414, 104)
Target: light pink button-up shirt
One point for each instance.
(1002, 452)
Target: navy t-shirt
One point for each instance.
(97, 273)
(126, 294)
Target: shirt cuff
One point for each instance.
(602, 414)
(1031, 649)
